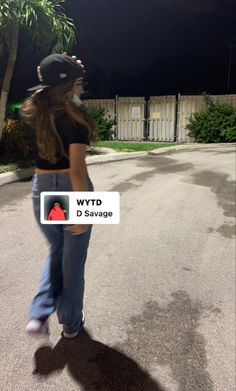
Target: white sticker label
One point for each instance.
(136, 112)
(79, 207)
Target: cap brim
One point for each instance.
(38, 87)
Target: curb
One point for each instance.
(191, 147)
(24, 173)
(13, 176)
(114, 157)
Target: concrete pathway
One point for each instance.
(160, 287)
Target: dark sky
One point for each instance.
(151, 47)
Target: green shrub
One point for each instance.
(105, 125)
(12, 110)
(229, 134)
(14, 142)
(215, 125)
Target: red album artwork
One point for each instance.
(57, 213)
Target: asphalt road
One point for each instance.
(160, 286)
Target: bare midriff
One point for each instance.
(40, 171)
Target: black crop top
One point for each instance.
(70, 133)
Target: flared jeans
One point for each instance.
(61, 287)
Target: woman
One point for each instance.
(63, 131)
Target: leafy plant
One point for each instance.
(105, 124)
(214, 125)
(14, 142)
(46, 24)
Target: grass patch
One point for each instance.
(6, 165)
(123, 146)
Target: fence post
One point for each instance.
(146, 119)
(116, 116)
(177, 119)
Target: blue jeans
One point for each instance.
(62, 281)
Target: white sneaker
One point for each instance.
(73, 335)
(70, 335)
(37, 327)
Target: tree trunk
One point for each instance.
(8, 74)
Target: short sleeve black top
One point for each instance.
(70, 133)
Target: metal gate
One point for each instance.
(161, 118)
(130, 118)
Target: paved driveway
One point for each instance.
(160, 286)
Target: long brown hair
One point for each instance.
(39, 112)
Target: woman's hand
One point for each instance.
(77, 229)
(75, 58)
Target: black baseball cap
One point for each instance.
(57, 69)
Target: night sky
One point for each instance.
(144, 48)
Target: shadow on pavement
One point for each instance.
(93, 365)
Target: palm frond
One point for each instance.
(44, 20)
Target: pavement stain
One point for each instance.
(228, 231)
(224, 189)
(169, 337)
(159, 165)
(124, 186)
(187, 269)
(219, 184)
(163, 164)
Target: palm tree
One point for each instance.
(44, 21)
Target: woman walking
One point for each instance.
(63, 131)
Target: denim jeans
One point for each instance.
(61, 287)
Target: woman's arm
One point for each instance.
(78, 169)
(79, 179)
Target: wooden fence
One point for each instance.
(161, 118)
